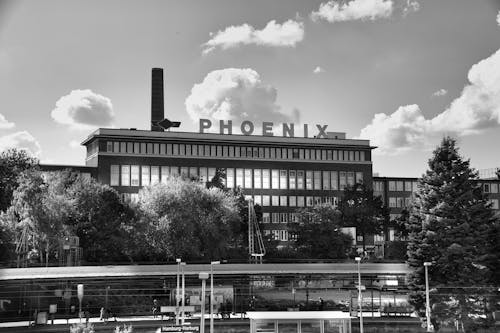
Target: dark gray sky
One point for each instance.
(400, 73)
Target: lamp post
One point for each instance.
(183, 292)
(212, 294)
(177, 296)
(427, 303)
(360, 296)
(203, 276)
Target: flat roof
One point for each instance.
(298, 315)
(229, 138)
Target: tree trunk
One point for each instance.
(47, 254)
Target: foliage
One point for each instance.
(81, 328)
(124, 329)
(187, 220)
(319, 233)
(361, 209)
(450, 224)
(396, 250)
(13, 162)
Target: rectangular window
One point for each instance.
(283, 179)
(317, 200)
(283, 201)
(225, 151)
(136, 148)
(156, 149)
(342, 180)
(486, 188)
(188, 150)
(392, 202)
(359, 178)
(494, 188)
(275, 217)
(266, 200)
(275, 200)
(309, 201)
(164, 174)
(265, 179)
(267, 153)
(307, 154)
(334, 181)
(194, 150)
(275, 179)
(162, 149)
(415, 186)
(266, 218)
(257, 200)
(356, 155)
(115, 175)
(257, 178)
(295, 153)
(300, 180)
(392, 185)
(300, 201)
(213, 151)
(184, 171)
(399, 186)
(283, 218)
(317, 180)
(155, 175)
(145, 175)
(174, 171)
(239, 178)
(292, 201)
(350, 178)
(335, 155)
(361, 155)
(237, 151)
(351, 155)
(109, 146)
(175, 149)
(273, 153)
(193, 172)
(243, 151)
(123, 147)
(229, 176)
(261, 152)
(150, 148)
(130, 147)
(125, 175)
(326, 180)
(309, 180)
(278, 153)
(248, 178)
(211, 174)
(116, 147)
(169, 149)
(301, 154)
(494, 204)
(219, 151)
(292, 181)
(134, 175)
(408, 186)
(400, 203)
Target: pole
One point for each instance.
(212, 294)
(183, 293)
(203, 277)
(177, 293)
(360, 296)
(427, 302)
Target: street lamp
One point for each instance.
(427, 303)
(203, 276)
(177, 296)
(360, 296)
(212, 294)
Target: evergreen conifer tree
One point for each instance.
(450, 225)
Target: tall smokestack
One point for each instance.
(157, 100)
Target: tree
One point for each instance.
(450, 222)
(12, 163)
(187, 220)
(318, 233)
(361, 209)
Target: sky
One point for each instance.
(400, 73)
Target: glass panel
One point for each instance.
(283, 179)
(310, 326)
(239, 178)
(300, 180)
(257, 177)
(229, 176)
(264, 326)
(265, 179)
(275, 177)
(317, 180)
(248, 178)
(134, 170)
(309, 180)
(145, 175)
(155, 175)
(125, 175)
(115, 175)
(164, 174)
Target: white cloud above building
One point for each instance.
(5, 124)
(22, 140)
(336, 11)
(318, 70)
(235, 94)
(440, 92)
(84, 109)
(475, 110)
(498, 18)
(287, 34)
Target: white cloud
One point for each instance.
(318, 70)
(475, 110)
(274, 34)
(84, 109)
(21, 140)
(410, 7)
(235, 94)
(498, 18)
(75, 144)
(333, 11)
(4, 123)
(440, 92)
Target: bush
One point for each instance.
(82, 328)
(396, 250)
(124, 329)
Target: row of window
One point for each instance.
(490, 187)
(411, 186)
(224, 151)
(145, 175)
(399, 202)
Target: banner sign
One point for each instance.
(180, 329)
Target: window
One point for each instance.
(257, 200)
(408, 186)
(125, 175)
(184, 172)
(292, 201)
(359, 178)
(211, 174)
(155, 175)
(266, 218)
(229, 176)
(115, 175)
(248, 178)
(175, 149)
(317, 200)
(292, 181)
(275, 178)
(399, 185)
(156, 148)
(275, 200)
(225, 151)
(486, 188)
(300, 180)
(400, 202)
(145, 175)
(342, 180)
(174, 171)
(275, 217)
(392, 185)
(123, 147)
(137, 148)
(494, 188)
(266, 200)
(150, 148)
(300, 201)
(283, 201)
(162, 149)
(265, 179)
(378, 186)
(309, 201)
(283, 179)
(239, 178)
(134, 173)
(334, 182)
(257, 178)
(415, 186)
(335, 155)
(359, 238)
(350, 178)
(494, 203)
(164, 174)
(193, 172)
(116, 147)
(169, 148)
(309, 180)
(219, 151)
(283, 217)
(109, 146)
(392, 202)
(317, 180)
(326, 180)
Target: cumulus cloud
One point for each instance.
(498, 18)
(83, 109)
(235, 94)
(21, 140)
(287, 34)
(4, 123)
(318, 70)
(440, 92)
(410, 7)
(333, 11)
(475, 110)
